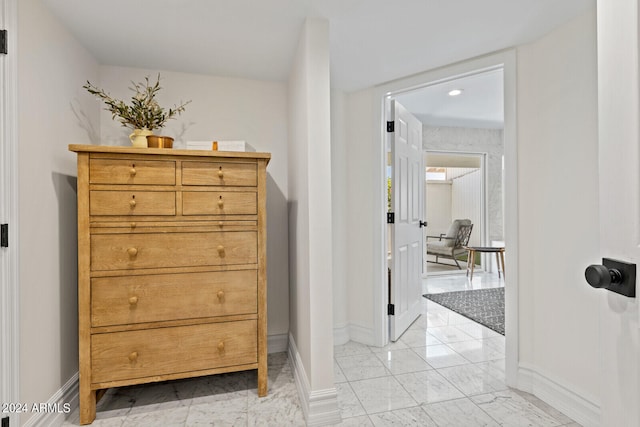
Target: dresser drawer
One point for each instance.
(155, 250)
(153, 298)
(219, 173)
(132, 202)
(123, 171)
(219, 203)
(138, 354)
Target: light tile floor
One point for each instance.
(444, 371)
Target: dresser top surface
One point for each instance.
(78, 148)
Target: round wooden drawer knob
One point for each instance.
(132, 171)
(133, 356)
(133, 300)
(220, 223)
(133, 225)
(220, 203)
(220, 295)
(220, 249)
(220, 173)
(132, 203)
(132, 252)
(221, 346)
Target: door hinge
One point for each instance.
(391, 309)
(4, 235)
(391, 218)
(3, 41)
(391, 126)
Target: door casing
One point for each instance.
(9, 301)
(507, 61)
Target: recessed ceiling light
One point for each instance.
(455, 92)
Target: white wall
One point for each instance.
(339, 202)
(438, 207)
(558, 206)
(54, 111)
(619, 175)
(360, 113)
(310, 226)
(225, 108)
(557, 130)
(490, 141)
(466, 202)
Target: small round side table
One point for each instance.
(499, 251)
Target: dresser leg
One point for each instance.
(262, 381)
(87, 406)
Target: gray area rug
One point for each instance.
(485, 306)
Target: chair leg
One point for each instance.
(456, 261)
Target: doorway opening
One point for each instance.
(504, 64)
(455, 189)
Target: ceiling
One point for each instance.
(372, 41)
(480, 105)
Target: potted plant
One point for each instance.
(143, 115)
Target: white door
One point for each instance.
(407, 205)
(619, 194)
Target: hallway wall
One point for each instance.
(558, 206)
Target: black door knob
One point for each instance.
(600, 276)
(423, 224)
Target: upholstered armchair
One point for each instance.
(451, 245)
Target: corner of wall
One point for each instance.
(320, 407)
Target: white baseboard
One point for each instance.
(320, 407)
(580, 408)
(341, 334)
(58, 407)
(277, 343)
(361, 334)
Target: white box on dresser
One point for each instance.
(171, 266)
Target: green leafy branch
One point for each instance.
(144, 112)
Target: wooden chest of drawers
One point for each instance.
(171, 266)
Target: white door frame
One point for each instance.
(9, 301)
(484, 209)
(507, 61)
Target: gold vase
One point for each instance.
(156, 141)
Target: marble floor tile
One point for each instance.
(362, 366)
(428, 387)
(458, 413)
(382, 394)
(398, 345)
(510, 409)
(418, 338)
(348, 402)
(231, 413)
(351, 348)
(403, 361)
(495, 368)
(456, 319)
(472, 379)
(220, 387)
(280, 405)
(362, 421)
(171, 417)
(449, 334)
(415, 416)
(476, 351)
(440, 356)
(545, 407)
(338, 375)
(497, 343)
(435, 319)
(476, 330)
